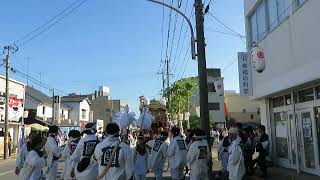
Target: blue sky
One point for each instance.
(115, 43)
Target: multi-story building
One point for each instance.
(288, 89)
(241, 108)
(215, 100)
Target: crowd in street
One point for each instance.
(240, 150)
(117, 155)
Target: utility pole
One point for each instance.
(6, 120)
(202, 69)
(53, 110)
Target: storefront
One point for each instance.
(294, 118)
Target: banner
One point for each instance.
(15, 108)
(245, 74)
(218, 85)
(56, 106)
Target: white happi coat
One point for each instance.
(32, 168)
(22, 156)
(223, 155)
(85, 147)
(122, 165)
(52, 150)
(158, 154)
(236, 167)
(198, 158)
(177, 154)
(149, 150)
(66, 154)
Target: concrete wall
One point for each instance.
(291, 51)
(74, 113)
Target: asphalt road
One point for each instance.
(7, 168)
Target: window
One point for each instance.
(62, 111)
(281, 133)
(288, 99)
(244, 110)
(43, 110)
(300, 2)
(251, 116)
(211, 87)
(258, 23)
(258, 111)
(214, 106)
(278, 102)
(306, 95)
(318, 92)
(83, 113)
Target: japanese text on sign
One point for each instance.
(245, 81)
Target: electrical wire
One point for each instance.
(51, 25)
(168, 33)
(162, 28)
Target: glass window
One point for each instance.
(308, 140)
(83, 113)
(300, 2)
(244, 110)
(273, 14)
(278, 102)
(283, 9)
(214, 106)
(43, 110)
(261, 20)
(306, 95)
(317, 116)
(253, 21)
(281, 135)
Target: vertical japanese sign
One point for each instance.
(245, 76)
(56, 106)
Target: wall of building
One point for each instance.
(16, 88)
(74, 113)
(84, 105)
(291, 51)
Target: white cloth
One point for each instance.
(122, 166)
(149, 149)
(22, 156)
(198, 158)
(90, 173)
(158, 157)
(52, 150)
(81, 150)
(236, 166)
(140, 164)
(223, 155)
(66, 154)
(32, 167)
(177, 154)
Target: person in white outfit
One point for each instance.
(74, 137)
(198, 156)
(236, 167)
(34, 162)
(24, 150)
(140, 157)
(177, 154)
(223, 154)
(85, 147)
(120, 166)
(159, 154)
(53, 152)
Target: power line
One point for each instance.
(162, 27)
(185, 67)
(51, 25)
(168, 33)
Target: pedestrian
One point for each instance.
(236, 167)
(248, 150)
(198, 156)
(114, 157)
(263, 149)
(74, 137)
(53, 152)
(85, 147)
(159, 154)
(223, 154)
(34, 162)
(177, 154)
(140, 159)
(24, 150)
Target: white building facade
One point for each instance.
(288, 90)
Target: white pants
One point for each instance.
(52, 171)
(139, 177)
(177, 173)
(158, 173)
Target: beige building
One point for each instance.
(241, 109)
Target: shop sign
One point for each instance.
(15, 108)
(245, 74)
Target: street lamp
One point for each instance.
(193, 40)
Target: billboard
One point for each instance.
(15, 108)
(245, 74)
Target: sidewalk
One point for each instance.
(275, 173)
(13, 157)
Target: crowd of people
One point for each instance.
(117, 155)
(237, 148)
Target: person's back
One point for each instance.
(159, 154)
(236, 167)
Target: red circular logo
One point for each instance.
(260, 55)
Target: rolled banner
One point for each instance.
(218, 85)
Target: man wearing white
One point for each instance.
(85, 147)
(198, 156)
(114, 157)
(177, 154)
(236, 167)
(74, 137)
(158, 155)
(53, 152)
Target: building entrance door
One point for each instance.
(307, 142)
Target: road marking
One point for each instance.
(6, 172)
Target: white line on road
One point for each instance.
(6, 172)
